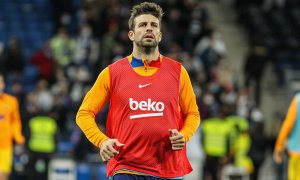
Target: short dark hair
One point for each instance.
(145, 8)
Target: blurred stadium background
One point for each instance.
(240, 53)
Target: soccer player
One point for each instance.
(10, 129)
(290, 130)
(153, 110)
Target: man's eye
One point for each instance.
(154, 25)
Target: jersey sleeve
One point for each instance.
(93, 102)
(188, 106)
(16, 123)
(287, 125)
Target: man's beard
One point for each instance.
(147, 47)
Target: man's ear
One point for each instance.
(160, 36)
(131, 35)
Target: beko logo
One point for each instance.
(149, 105)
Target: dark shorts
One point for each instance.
(138, 177)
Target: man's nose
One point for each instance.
(149, 27)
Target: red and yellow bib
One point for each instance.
(142, 110)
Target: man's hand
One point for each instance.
(177, 139)
(278, 157)
(107, 150)
(19, 149)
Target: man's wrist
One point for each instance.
(101, 142)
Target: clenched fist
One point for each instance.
(107, 150)
(177, 139)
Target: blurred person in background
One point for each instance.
(62, 46)
(210, 50)
(215, 139)
(254, 68)
(241, 144)
(10, 130)
(42, 143)
(43, 60)
(259, 141)
(290, 133)
(153, 110)
(13, 57)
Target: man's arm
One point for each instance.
(188, 106)
(285, 130)
(93, 102)
(16, 123)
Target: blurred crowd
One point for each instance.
(52, 80)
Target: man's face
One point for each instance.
(2, 85)
(146, 31)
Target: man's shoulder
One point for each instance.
(9, 97)
(173, 64)
(120, 61)
(118, 66)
